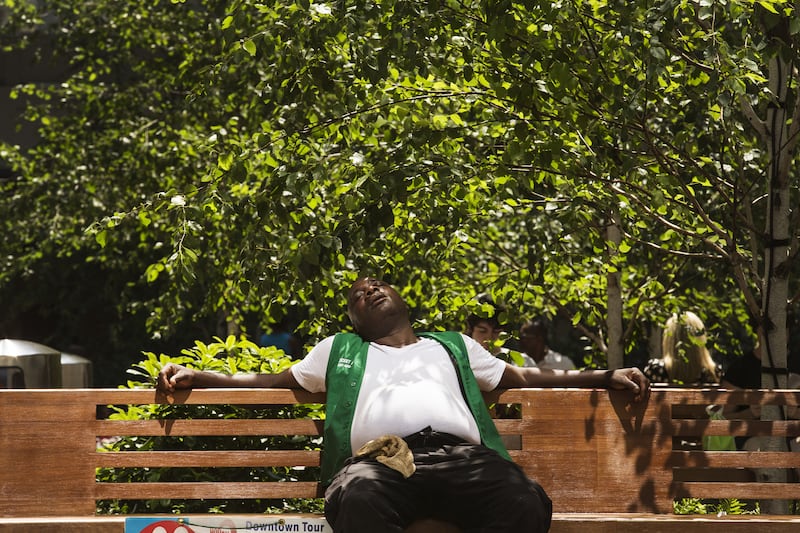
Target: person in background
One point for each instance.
(685, 359)
(486, 330)
(535, 350)
(421, 391)
(281, 337)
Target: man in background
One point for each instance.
(536, 352)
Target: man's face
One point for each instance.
(370, 301)
(485, 333)
(532, 343)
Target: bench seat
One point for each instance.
(562, 523)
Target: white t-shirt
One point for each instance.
(407, 389)
(552, 360)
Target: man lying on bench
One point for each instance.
(407, 433)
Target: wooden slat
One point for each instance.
(667, 523)
(216, 458)
(213, 490)
(720, 396)
(716, 475)
(209, 427)
(246, 396)
(237, 396)
(44, 448)
(63, 524)
(742, 491)
(562, 523)
(735, 459)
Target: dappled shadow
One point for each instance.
(590, 422)
(629, 413)
(647, 499)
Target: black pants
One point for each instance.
(467, 485)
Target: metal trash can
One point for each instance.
(12, 377)
(76, 371)
(30, 365)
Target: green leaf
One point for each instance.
(101, 237)
(249, 47)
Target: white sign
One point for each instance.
(226, 524)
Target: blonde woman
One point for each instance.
(685, 359)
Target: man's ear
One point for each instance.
(352, 321)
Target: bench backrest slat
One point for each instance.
(768, 491)
(729, 459)
(207, 459)
(210, 490)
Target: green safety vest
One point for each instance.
(343, 378)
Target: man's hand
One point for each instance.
(174, 377)
(629, 379)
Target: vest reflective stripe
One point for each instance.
(343, 379)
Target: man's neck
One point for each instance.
(397, 339)
(539, 357)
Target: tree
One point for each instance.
(117, 134)
(282, 148)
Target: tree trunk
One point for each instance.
(775, 290)
(227, 325)
(614, 294)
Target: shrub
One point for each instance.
(727, 506)
(229, 356)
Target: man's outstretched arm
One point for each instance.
(174, 377)
(621, 379)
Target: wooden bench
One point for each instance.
(608, 464)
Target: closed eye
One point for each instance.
(356, 295)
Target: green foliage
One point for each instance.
(226, 356)
(690, 506)
(727, 506)
(217, 160)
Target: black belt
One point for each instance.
(428, 438)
